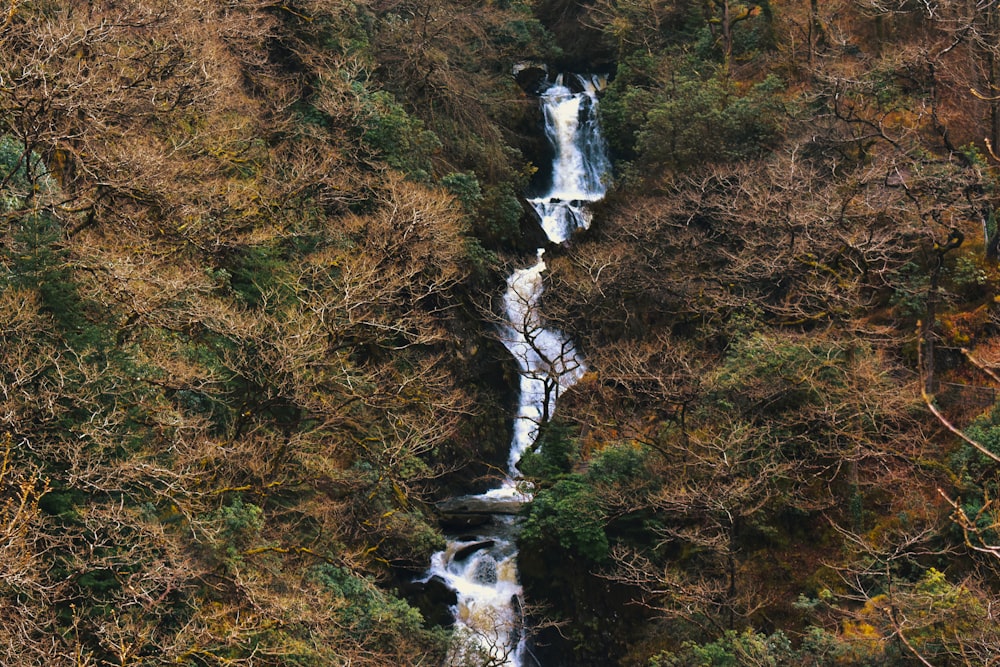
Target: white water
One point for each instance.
(546, 359)
(580, 163)
(481, 568)
(488, 623)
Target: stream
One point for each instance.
(480, 564)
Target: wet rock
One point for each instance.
(460, 514)
(468, 550)
(485, 571)
(531, 76)
(433, 598)
(583, 46)
(453, 523)
(478, 505)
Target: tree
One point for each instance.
(228, 340)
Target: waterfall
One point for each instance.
(580, 163)
(546, 359)
(481, 566)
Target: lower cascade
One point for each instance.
(480, 565)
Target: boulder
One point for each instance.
(532, 77)
(434, 598)
(469, 549)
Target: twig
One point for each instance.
(928, 400)
(975, 362)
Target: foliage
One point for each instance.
(244, 255)
(731, 650)
(617, 466)
(228, 283)
(22, 173)
(556, 451)
(239, 526)
(465, 187)
(695, 121)
(567, 518)
(394, 135)
(367, 611)
(499, 214)
(937, 615)
(672, 105)
(971, 463)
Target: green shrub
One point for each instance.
(618, 465)
(669, 112)
(22, 175)
(731, 650)
(398, 138)
(238, 524)
(567, 517)
(969, 462)
(556, 453)
(367, 613)
(499, 216)
(465, 187)
(705, 121)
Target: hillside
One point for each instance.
(249, 277)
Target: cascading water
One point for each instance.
(481, 567)
(547, 360)
(580, 163)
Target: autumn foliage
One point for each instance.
(249, 259)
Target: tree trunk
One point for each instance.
(927, 327)
(993, 72)
(731, 572)
(954, 240)
(992, 233)
(879, 33)
(815, 32)
(727, 37)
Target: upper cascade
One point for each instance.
(580, 167)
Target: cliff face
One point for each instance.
(577, 29)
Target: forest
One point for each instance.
(251, 255)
